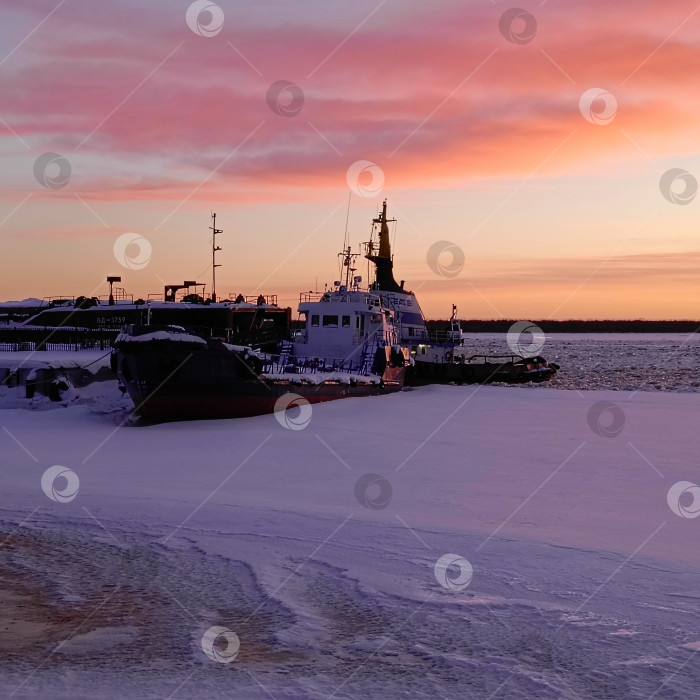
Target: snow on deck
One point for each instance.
(182, 337)
(37, 359)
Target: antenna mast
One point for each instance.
(347, 221)
(348, 259)
(214, 249)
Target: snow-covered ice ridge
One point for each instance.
(85, 376)
(585, 582)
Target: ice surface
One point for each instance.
(585, 582)
(617, 361)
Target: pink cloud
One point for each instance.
(366, 99)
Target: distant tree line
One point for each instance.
(639, 326)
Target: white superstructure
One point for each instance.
(344, 324)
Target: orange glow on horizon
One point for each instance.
(482, 141)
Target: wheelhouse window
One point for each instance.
(346, 321)
(330, 321)
(314, 320)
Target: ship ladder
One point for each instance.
(285, 351)
(368, 354)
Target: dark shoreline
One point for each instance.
(548, 326)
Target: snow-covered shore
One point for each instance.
(584, 580)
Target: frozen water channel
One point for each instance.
(624, 361)
(584, 580)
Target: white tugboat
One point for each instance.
(348, 322)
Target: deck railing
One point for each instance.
(448, 337)
(283, 364)
(38, 339)
(269, 299)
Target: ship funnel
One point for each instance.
(385, 265)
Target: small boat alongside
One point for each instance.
(449, 359)
(456, 368)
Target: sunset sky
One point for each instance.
(475, 121)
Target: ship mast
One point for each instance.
(214, 249)
(381, 257)
(348, 258)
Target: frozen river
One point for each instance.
(317, 550)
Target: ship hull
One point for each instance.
(240, 402)
(534, 370)
(169, 380)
